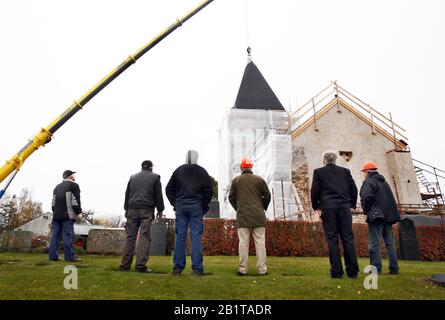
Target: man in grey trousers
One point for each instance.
(143, 195)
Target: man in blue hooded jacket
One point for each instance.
(189, 192)
(380, 206)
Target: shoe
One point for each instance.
(336, 276)
(393, 271)
(241, 274)
(201, 273)
(55, 260)
(146, 270)
(176, 273)
(353, 276)
(123, 269)
(74, 260)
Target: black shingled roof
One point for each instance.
(255, 92)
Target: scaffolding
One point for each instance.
(431, 191)
(263, 136)
(334, 94)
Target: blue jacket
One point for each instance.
(378, 201)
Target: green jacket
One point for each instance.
(250, 197)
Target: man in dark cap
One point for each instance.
(143, 195)
(66, 207)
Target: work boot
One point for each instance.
(75, 259)
(145, 270)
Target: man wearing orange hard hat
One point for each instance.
(380, 207)
(250, 197)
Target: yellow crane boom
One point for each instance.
(14, 164)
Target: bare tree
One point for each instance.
(28, 209)
(16, 211)
(8, 212)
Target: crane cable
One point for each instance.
(246, 5)
(2, 191)
(247, 24)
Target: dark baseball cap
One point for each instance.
(68, 173)
(147, 164)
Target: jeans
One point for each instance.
(338, 222)
(61, 229)
(376, 233)
(138, 221)
(189, 216)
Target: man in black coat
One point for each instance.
(380, 206)
(334, 193)
(143, 195)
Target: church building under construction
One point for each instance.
(286, 147)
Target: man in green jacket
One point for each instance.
(250, 197)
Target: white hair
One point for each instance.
(329, 157)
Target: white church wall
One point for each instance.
(402, 169)
(346, 132)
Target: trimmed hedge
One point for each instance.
(306, 239)
(431, 243)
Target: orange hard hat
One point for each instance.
(369, 166)
(246, 163)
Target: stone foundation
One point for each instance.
(106, 241)
(16, 241)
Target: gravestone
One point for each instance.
(213, 212)
(158, 235)
(425, 221)
(438, 279)
(409, 247)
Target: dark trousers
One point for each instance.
(189, 216)
(61, 229)
(376, 233)
(138, 221)
(338, 222)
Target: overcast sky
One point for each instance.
(390, 53)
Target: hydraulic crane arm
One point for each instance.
(44, 136)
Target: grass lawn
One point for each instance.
(32, 276)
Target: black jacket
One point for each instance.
(66, 201)
(332, 188)
(378, 201)
(189, 185)
(144, 191)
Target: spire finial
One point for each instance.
(249, 54)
